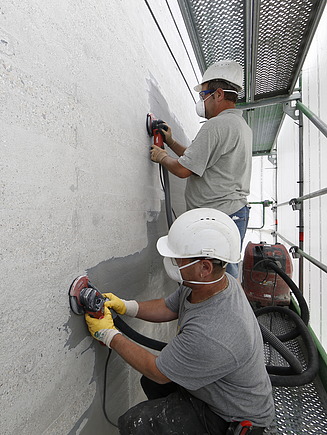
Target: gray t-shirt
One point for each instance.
(217, 355)
(220, 158)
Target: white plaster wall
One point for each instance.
(78, 192)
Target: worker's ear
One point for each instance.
(219, 94)
(206, 267)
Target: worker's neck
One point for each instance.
(225, 105)
(202, 292)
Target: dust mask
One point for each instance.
(174, 272)
(200, 107)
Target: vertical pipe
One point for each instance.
(301, 176)
(251, 24)
(275, 213)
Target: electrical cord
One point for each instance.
(180, 35)
(105, 390)
(164, 180)
(170, 50)
(119, 322)
(280, 375)
(166, 191)
(252, 269)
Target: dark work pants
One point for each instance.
(171, 410)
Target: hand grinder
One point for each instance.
(85, 298)
(153, 128)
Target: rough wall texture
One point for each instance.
(79, 193)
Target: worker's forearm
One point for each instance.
(139, 358)
(155, 310)
(177, 148)
(175, 167)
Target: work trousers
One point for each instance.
(241, 219)
(171, 410)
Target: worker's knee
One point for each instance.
(153, 390)
(148, 417)
(173, 414)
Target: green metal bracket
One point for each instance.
(265, 204)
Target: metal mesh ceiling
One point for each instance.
(269, 38)
(265, 122)
(283, 30)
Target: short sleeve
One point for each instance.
(194, 361)
(203, 151)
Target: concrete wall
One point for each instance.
(79, 193)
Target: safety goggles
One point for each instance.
(204, 93)
(210, 91)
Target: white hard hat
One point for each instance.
(202, 232)
(227, 70)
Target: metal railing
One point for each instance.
(313, 118)
(295, 202)
(297, 252)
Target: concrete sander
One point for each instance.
(153, 127)
(85, 298)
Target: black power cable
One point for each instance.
(281, 376)
(164, 181)
(180, 35)
(105, 389)
(170, 50)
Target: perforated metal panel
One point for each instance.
(299, 410)
(209, 24)
(265, 122)
(269, 38)
(284, 27)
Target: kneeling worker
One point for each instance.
(213, 372)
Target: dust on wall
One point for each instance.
(78, 193)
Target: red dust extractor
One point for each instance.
(262, 285)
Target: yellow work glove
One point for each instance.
(158, 154)
(130, 308)
(166, 132)
(102, 329)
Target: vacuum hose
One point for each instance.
(136, 336)
(299, 297)
(289, 376)
(166, 188)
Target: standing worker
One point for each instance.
(212, 372)
(218, 162)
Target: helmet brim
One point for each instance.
(162, 247)
(165, 251)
